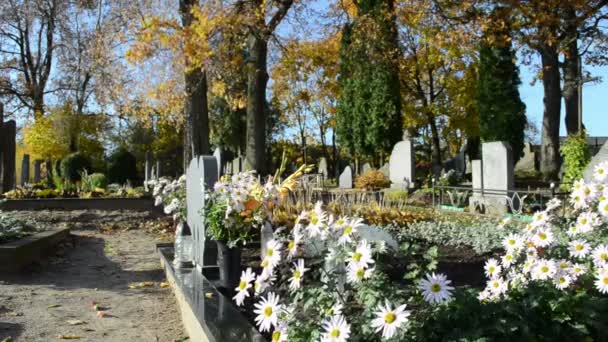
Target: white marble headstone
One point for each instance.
(401, 165)
(346, 179)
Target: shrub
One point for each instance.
(576, 156)
(98, 181)
(73, 165)
(122, 167)
(372, 180)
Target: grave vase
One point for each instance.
(229, 264)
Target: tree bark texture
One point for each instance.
(550, 160)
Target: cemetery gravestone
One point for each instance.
(323, 167)
(346, 179)
(601, 156)
(158, 169)
(527, 163)
(401, 165)
(147, 170)
(25, 169)
(366, 167)
(497, 173)
(202, 171)
(477, 178)
(218, 156)
(37, 170)
(385, 169)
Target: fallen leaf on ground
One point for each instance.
(68, 337)
(54, 306)
(164, 284)
(75, 322)
(141, 285)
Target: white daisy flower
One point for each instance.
(504, 222)
(553, 204)
(498, 286)
(292, 245)
(544, 269)
(350, 228)
(600, 255)
(357, 273)
(436, 288)
(273, 252)
(601, 282)
(543, 238)
(335, 310)
(507, 260)
(563, 265)
(577, 270)
(267, 311)
(513, 242)
(540, 218)
(602, 208)
(492, 268)
(562, 281)
(486, 294)
(600, 172)
(573, 231)
(362, 255)
(247, 277)
(528, 264)
(579, 248)
(263, 281)
(336, 330)
(389, 320)
(296, 279)
(280, 333)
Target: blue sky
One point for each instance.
(595, 101)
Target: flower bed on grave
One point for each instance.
(320, 281)
(12, 229)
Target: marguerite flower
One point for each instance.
(362, 256)
(504, 222)
(600, 255)
(544, 269)
(292, 245)
(543, 238)
(280, 333)
(389, 320)
(356, 273)
(601, 282)
(562, 281)
(600, 173)
(513, 242)
(579, 248)
(540, 218)
(336, 330)
(436, 288)
(267, 311)
(507, 260)
(296, 279)
(576, 270)
(492, 268)
(247, 277)
(602, 208)
(350, 228)
(498, 286)
(553, 203)
(272, 253)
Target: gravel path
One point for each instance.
(105, 255)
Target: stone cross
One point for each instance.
(346, 179)
(202, 171)
(401, 165)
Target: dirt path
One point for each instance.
(106, 253)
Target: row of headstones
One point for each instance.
(400, 169)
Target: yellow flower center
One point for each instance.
(340, 222)
(360, 273)
(584, 221)
(587, 191)
(335, 333)
(348, 230)
(276, 336)
(542, 236)
(357, 256)
(314, 220)
(603, 256)
(563, 265)
(561, 280)
(269, 252)
(579, 248)
(265, 263)
(435, 288)
(600, 171)
(605, 280)
(495, 284)
(544, 269)
(390, 317)
(508, 257)
(297, 275)
(606, 207)
(511, 242)
(268, 311)
(491, 269)
(242, 285)
(291, 245)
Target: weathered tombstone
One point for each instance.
(237, 165)
(527, 163)
(158, 169)
(25, 169)
(601, 156)
(218, 156)
(346, 179)
(322, 169)
(497, 173)
(8, 134)
(365, 168)
(385, 169)
(201, 171)
(401, 165)
(147, 170)
(477, 176)
(37, 170)
(153, 173)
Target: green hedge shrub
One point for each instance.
(122, 167)
(73, 165)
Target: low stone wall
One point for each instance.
(15, 255)
(207, 314)
(108, 204)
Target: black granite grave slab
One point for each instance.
(207, 314)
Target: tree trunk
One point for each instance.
(195, 106)
(436, 154)
(257, 78)
(571, 69)
(550, 161)
(38, 104)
